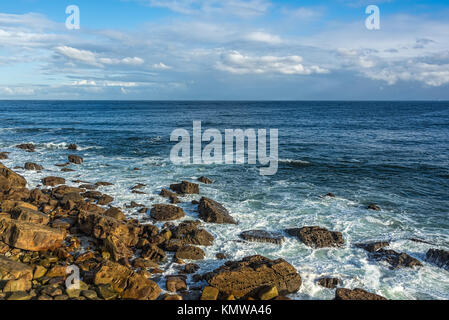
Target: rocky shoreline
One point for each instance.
(46, 231)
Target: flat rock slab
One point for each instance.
(214, 212)
(26, 214)
(248, 276)
(13, 270)
(439, 257)
(356, 294)
(166, 212)
(185, 187)
(317, 237)
(262, 236)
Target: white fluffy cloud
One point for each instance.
(235, 62)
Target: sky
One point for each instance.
(224, 50)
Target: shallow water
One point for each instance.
(395, 154)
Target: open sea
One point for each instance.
(394, 154)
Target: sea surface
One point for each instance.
(394, 154)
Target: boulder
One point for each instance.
(248, 276)
(170, 195)
(328, 282)
(13, 270)
(188, 233)
(100, 227)
(373, 246)
(52, 181)
(33, 166)
(439, 257)
(175, 283)
(185, 187)
(356, 294)
(205, 180)
(26, 214)
(190, 253)
(373, 207)
(377, 252)
(212, 211)
(166, 212)
(115, 213)
(4, 155)
(72, 146)
(10, 180)
(153, 253)
(27, 146)
(117, 248)
(317, 237)
(105, 200)
(209, 293)
(190, 268)
(75, 159)
(29, 236)
(103, 183)
(262, 236)
(126, 282)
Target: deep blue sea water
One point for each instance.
(395, 154)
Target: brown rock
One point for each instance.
(29, 236)
(72, 146)
(374, 207)
(176, 283)
(330, 283)
(356, 294)
(10, 180)
(205, 180)
(13, 270)
(166, 212)
(26, 146)
(153, 253)
(246, 277)
(33, 166)
(209, 293)
(104, 200)
(75, 159)
(185, 187)
(262, 236)
(115, 213)
(439, 257)
(29, 215)
(104, 183)
(190, 252)
(212, 211)
(117, 248)
(317, 237)
(170, 195)
(189, 233)
(373, 246)
(53, 181)
(4, 155)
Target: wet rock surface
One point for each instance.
(317, 237)
(439, 257)
(185, 187)
(262, 236)
(214, 212)
(356, 294)
(166, 212)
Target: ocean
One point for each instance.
(394, 154)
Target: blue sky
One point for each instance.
(234, 49)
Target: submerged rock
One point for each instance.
(75, 159)
(328, 282)
(212, 211)
(356, 294)
(373, 246)
(317, 237)
(185, 187)
(374, 207)
(27, 146)
(170, 195)
(395, 259)
(205, 180)
(166, 212)
(439, 257)
(248, 276)
(262, 236)
(33, 166)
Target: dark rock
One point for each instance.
(29, 215)
(153, 253)
(248, 276)
(439, 257)
(138, 186)
(185, 187)
(220, 256)
(330, 195)
(373, 246)
(104, 200)
(356, 294)
(166, 212)
(374, 207)
(170, 195)
(134, 205)
(205, 180)
(103, 183)
(4, 155)
(330, 283)
(189, 233)
(262, 236)
(10, 180)
(26, 146)
(395, 259)
(190, 253)
(75, 159)
(191, 268)
(52, 181)
(175, 283)
(67, 170)
(317, 237)
(88, 186)
(212, 211)
(33, 166)
(72, 146)
(115, 213)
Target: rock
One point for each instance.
(106, 292)
(209, 293)
(166, 212)
(374, 207)
(57, 271)
(175, 283)
(330, 283)
(53, 181)
(101, 227)
(67, 170)
(212, 211)
(72, 146)
(103, 183)
(27, 146)
(117, 248)
(373, 246)
(29, 236)
(172, 297)
(205, 180)
(138, 186)
(22, 295)
(75, 159)
(95, 195)
(38, 197)
(63, 223)
(185, 187)
(330, 195)
(10, 180)
(89, 294)
(153, 253)
(39, 272)
(246, 277)
(13, 270)
(33, 166)
(88, 186)
(29, 215)
(356, 294)
(262, 236)
(60, 191)
(317, 237)
(170, 195)
(105, 200)
(189, 233)
(4, 155)
(268, 293)
(126, 282)
(220, 256)
(190, 253)
(190, 268)
(439, 257)
(115, 213)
